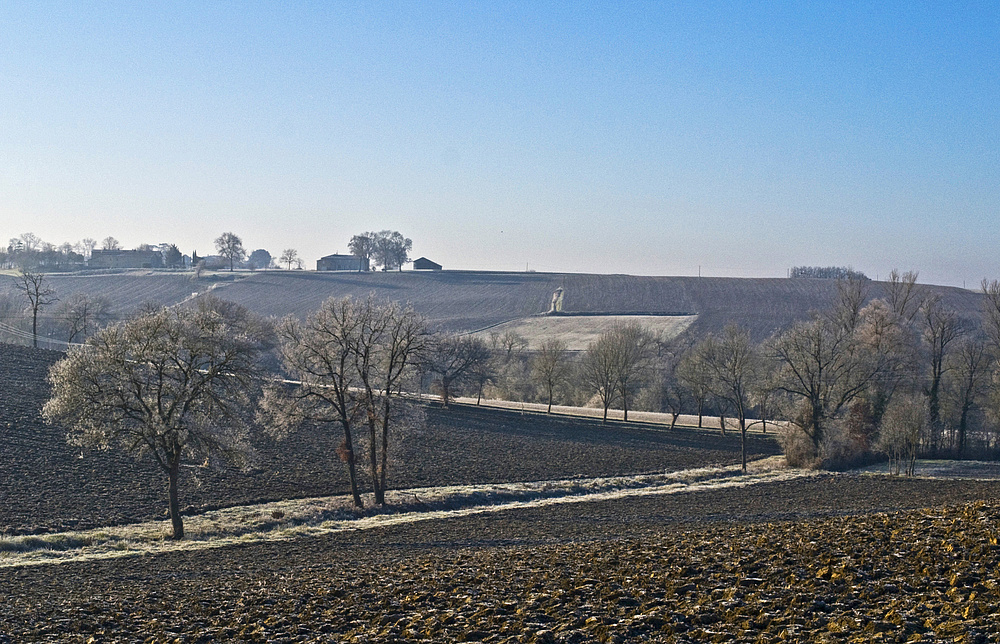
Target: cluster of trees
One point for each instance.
(386, 248)
(826, 272)
(29, 250)
(187, 386)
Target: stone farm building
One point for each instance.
(125, 259)
(342, 263)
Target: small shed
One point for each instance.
(424, 264)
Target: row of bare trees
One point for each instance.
(847, 380)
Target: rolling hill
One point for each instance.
(467, 301)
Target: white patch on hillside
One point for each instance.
(578, 331)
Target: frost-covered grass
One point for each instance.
(290, 519)
(578, 331)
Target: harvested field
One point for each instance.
(472, 300)
(578, 331)
(769, 563)
(46, 486)
(838, 558)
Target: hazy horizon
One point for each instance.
(643, 139)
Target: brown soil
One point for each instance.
(47, 485)
(800, 560)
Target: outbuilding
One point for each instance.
(342, 263)
(424, 264)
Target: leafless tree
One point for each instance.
(230, 246)
(79, 314)
(599, 369)
(453, 359)
(941, 327)
(693, 376)
(966, 384)
(289, 256)
(826, 367)
(635, 348)
(32, 285)
(735, 366)
(902, 294)
(363, 247)
(319, 354)
(350, 359)
(550, 367)
(174, 385)
(110, 243)
(899, 436)
(86, 246)
(386, 352)
(391, 250)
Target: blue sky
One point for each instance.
(646, 138)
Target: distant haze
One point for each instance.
(734, 139)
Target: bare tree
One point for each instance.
(693, 376)
(941, 327)
(385, 354)
(902, 294)
(39, 294)
(289, 256)
(87, 246)
(899, 436)
(174, 385)
(110, 243)
(852, 293)
(550, 367)
(230, 246)
(319, 354)
(363, 247)
(600, 371)
(635, 348)
(391, 250)
(967, 384)
(735, 367)
(79, 314)
(453, 359)
(826, 367)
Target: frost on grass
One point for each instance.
(290, 519)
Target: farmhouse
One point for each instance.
(125, 259)
(424, 264)
(342, 263)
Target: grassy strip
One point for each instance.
(294, 518)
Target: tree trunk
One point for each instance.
(373, 456)
(673, 419)
(34, 328)
(383, 466)
(352, 468)
(549, 410)
(624, 407)
(743, 441)
(174, 505)
(701, 409)
(445, 386)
